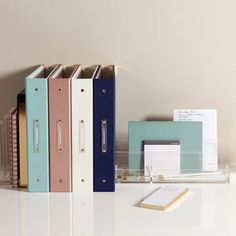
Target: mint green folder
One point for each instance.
(188, 133)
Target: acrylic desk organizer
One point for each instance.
(146, 174)
(123, 175)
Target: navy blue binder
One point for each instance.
(104, 129)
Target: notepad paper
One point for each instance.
(163, 197)
(161, 158)
(209, 133)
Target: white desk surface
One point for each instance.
(209, 209)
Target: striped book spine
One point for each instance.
(9, 122)
(14, 150)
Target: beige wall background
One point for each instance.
(169, 54)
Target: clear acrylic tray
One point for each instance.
(222, 175)
(145, 174)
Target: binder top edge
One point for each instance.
(65, 72)
(106, 72)
(86, 72)
(43, 72)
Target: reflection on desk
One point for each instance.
(209, 210)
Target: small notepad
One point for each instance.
(163, 197)
(161, 157)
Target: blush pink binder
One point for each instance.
(60, 128)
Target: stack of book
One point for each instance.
(62, 134)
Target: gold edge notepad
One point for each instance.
(163, 197)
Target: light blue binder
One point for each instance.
(36, 85)
(188, 133)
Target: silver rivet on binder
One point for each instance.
(104, 180)
(104, 90)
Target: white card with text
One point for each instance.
(209, 133)
(162, 157)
